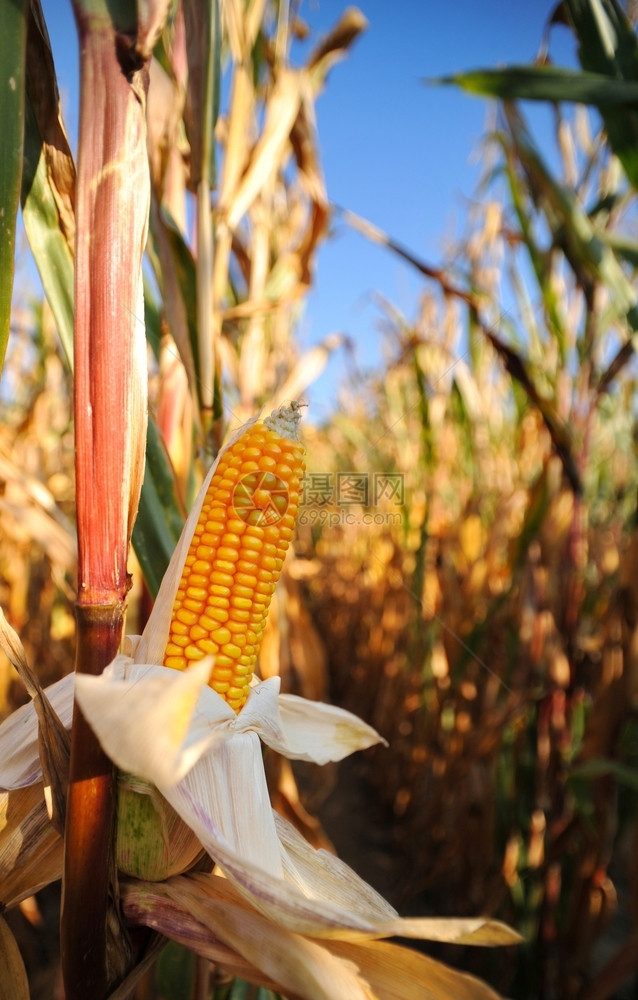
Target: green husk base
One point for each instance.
(153, 842)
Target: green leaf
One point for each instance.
(185, 270)
(49, 246)
(48, 181)
(547, 83)
(176, 972)
(598, 767)
(159, 520)
(12, 69)
(608, 45)
(589, 255)
(152, 319)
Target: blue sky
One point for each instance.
(395, 150)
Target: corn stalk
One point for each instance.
(112, 198)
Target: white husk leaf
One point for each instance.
(20, 761)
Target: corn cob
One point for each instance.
(235, 557)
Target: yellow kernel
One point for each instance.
(242, 498)
(194, 653)
(238, 629)
(248, 560)
(215, 615)
(186, 616)
(193, 605)
(261, 499)
(220, 686)
(272, 532)
(224, 565)
(181, 640)
(220, 636)
(173, 650)
(222, 661)
(222, 675)
(266, 462)
(239, 614)
(243, 592)
(245, 580)
(242, 669)
(251, 452)
(216, 519)
(230, 649)
(235, 693)
(221, 579)
(223, 491)
(273, 563)
(178, 628)
(198, 580)
(244, 603)
(261, 598)
(208, 646)
(265, 587)
(219, 592)
(219, 600)
(225, 552)
(199, 566)
(232, 539)
(207, 538)
(211, 623)
(197, 632)
(249, 542)
(205, 552)
(176, 662)
(236, 526)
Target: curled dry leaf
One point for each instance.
(53, 739)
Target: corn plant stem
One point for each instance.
(92, 955)
(112, 197)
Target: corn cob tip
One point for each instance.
(285, 420)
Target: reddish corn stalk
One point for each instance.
(110, 418)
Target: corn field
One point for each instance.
(463, 572)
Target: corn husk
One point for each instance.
(30, 846)
(152, 841)
(208, 915)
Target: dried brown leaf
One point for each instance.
(281, 111)
(30, 847)
(334, 46)
(13, 976)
